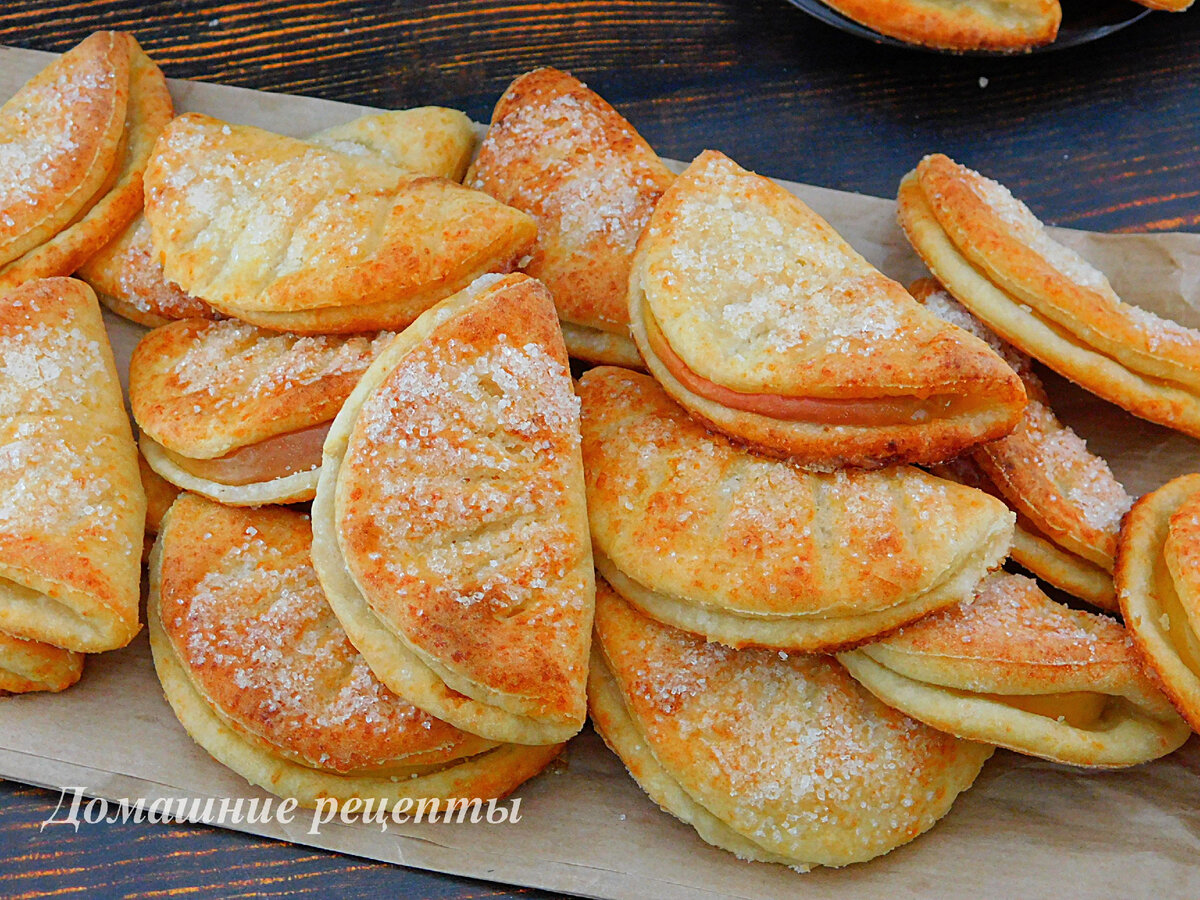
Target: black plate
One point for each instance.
(1083, 21)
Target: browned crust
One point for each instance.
(149, 110)
(964, 26)
(561, 153)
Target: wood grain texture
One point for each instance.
(1102, 136)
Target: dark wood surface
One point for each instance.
(1103, 136)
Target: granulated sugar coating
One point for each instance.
(788, 750)
(246, 615)
(59, 137)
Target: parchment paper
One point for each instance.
(1026, 829)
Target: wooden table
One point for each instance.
(1104, 136)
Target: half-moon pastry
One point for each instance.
(160, 494)
(128, 277)
(1016, 669)
(27, 666)
(558, 151)
(751, 551)
(71, 503)
(148, 110)
(291, 236)
(997, 259)
(1034, 550)
(1158, 585)
(450, 526)
(774, 757)
(238, 414)
(1010, 26)
(1062, 493)
(756, 316)
(60, 141)
(427, 140)
(260, 673)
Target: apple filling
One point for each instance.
(866, 412)
(267, 460)
(1079, 709)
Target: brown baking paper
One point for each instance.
(1027, 828)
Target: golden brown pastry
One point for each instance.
(997, 259)
(291, 236)
(261, 675)
(774, 757)
(756, 316)
(128, 278)
(238, 414)
(147, 112)
(1158, 585)
(1014, 668)
(450, 526)
(1063, 494)
(27, 666)
(558, 151)
(127, 275)
(60, 141)
(750, 551)
(71, 503)
(1009, 26)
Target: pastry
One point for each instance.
(27, 666)
(291, 236)
(147, 112)
(127, 275)
(1035, 551)
(558, 151)
(128, 278)
(60, 141)
(774, 757)
(261, 675)
(450, 527)
(1062, 493)
(759, 319)
(997, 259)
(71, 504)
(1010, 26)
(426, 140)
(751, 551)
(1158, 585)
(237, 413)
(160, 494)
(1016, 669)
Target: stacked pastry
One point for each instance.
(75, 141)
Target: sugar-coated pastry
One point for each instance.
(147, 112)
(1158, 586)
(450, 526)
(1016, 669)
(237, 413)
(128, 277)
(756, 316)
(751, 551)
(1034, 550)
(996, 258)
(1010, 26)
(1062, 493)
(71, 503)
(558, 151)
(774, 757)
(60, 141)
(27, 666)
(292, 236)
(427, 140)
(261, 674)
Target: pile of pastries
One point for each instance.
(398, 551)
(1011, 26)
